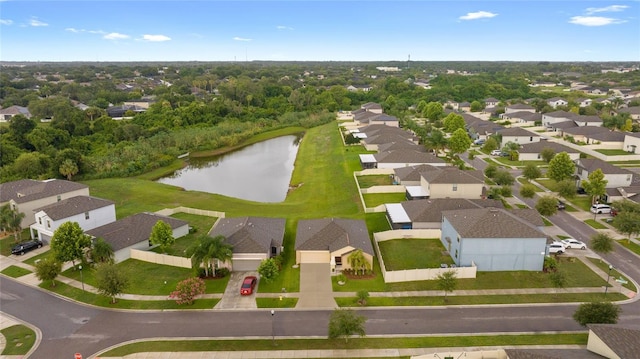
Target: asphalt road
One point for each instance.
(68, 327)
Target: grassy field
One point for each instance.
(200, 226)
(15, 272)
(613, 152)
(595, 224)
(632, 246)
(401, 254)
(614, 273)
(375, 199)
(354, 343)
(374, 180)
(19, 340)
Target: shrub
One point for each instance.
(187, 290)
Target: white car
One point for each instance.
(557, 248)
(571, 243)
(496, 152)
(600, 208)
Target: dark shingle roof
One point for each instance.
(537, 147)
(401, 145)
(131, 230)
(491, 223)
(430, 210)
(521, 106)
(590, 119)
(564, 125)
(450, 174)
(28, 190)
(609, 136)
(585, 130)
(622, 340)
(517, 131)
(332, 234)
(411, 173)
(592, 164)
(406, 156)
(250, 234)
(382, 138)
(72, 206)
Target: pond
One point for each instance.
(260, 172)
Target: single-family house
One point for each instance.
(427, 213)
(447, 182)
(491, 102)
(612, 140)
(410, 175)
(7, 113)
(582, 120)
(89, 212)
(493, 239)
(133, 232)
(581, 134)
(614, 341)
(401, 145)
(615, 176)
(556, 116)
(634, 111)
(371, 143)
(523, 118)
(332, 241)
(584, 102)
(518, 135)
(519, 107)
(253, 239)
(483, 129)
(560, 127)
(464, 106)
(401, 158)
(27, 195)
(372, 107)
(631, 142)
(384, 119)
(532, 151)
(557, 101)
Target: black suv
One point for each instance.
(561, 205)
(24, 247)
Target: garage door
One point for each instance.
(314, 257)
(246, 265)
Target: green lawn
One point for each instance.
(401, 254)
(15, 271)
(276, 302)
(149, 278)
(614, 273)
(595, 224)
(632, 246)
(523, 180)
(374, 180)
(19, 340)
(613, 152)
(201, 226)
(9, 241)
(376, 199)
(353, 343)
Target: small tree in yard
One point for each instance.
(561, 167)
(547, 154)
(558, 279)
(459, 141)
(69, 242)
(447, 281)
(528, 190)
(357, 261)
(596, 185)
(162, 235)
(187, 290)
(531, 172)
(491, 170)
(48, 269)
(362, 295)
(566, 188)
(627, 223)
(547, 206)
(597, 313)
(502, 177)
(345, 323)
(110, 280)
(268, 270)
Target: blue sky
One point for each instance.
(560, 30)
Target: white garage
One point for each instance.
(246, 264)
(313, 256)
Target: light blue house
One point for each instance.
(493, 239)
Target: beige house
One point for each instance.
(448, 182)
(332, 240)
(518, 135)
(532, 151)
(27, 195)
(631, 142)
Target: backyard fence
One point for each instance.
(157, 258)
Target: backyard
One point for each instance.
(402, 254)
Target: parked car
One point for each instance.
(581, 190)
(496, 152)
(600, 208)
(248, 285)
(571, 243)
(556, 248)
(504, 154)
(24, 247)
(561, 205)
(479, 141)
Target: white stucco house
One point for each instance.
(447, 182)
(89, 212)
(615, 176)
(631, 143)
(518, 135)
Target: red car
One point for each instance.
(247, 285)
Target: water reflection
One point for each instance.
(260, 172)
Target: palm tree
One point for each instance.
(14, 223)
(357, 261)
(436, 140)
(208, 250)
(101, 252)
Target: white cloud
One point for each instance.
(37, 23)
(282, 27)
(594, 20)
(237, 38)
(71, 29)
(116, 36)
(612, 8)
(6, 22)
(477, 15)
(156, 38)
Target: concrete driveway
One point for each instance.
(231, 299)
(315, 287)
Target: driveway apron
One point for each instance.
(231, 299)
(315, 287)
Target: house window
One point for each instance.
(274, 251)
(48, 223)
(455, 187)
(338, 260)
(458, 239)
(86, 215)
(456, 253)
(59, 198)
(530, 138)
(40, 220)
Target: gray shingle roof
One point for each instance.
(131, 230)
(609, 136)
(406, 156)
(592, 164)
(537, 147)
(517, 131)
(332, 234)
(430, 210)
(251, 234)
(585, 130)
(28, 190)
(450, 174)
(491, 223)
(404, 145)
(382, 138)
(72, 206)
(590, 119)
(411, 173)
(622, 340)
(521, 106)
(564, 125)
